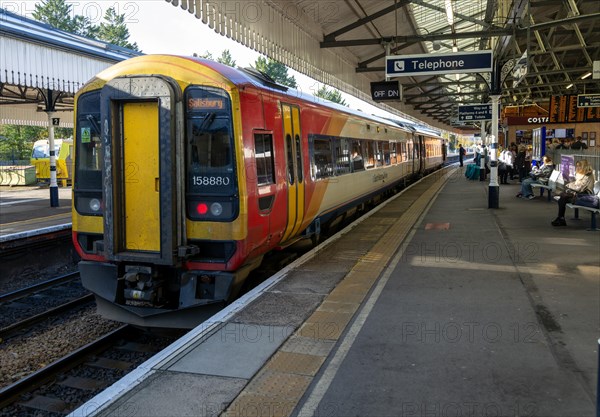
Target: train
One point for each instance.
(40, 158)
(188, 172)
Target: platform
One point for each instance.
(433, 305)
(26, 209)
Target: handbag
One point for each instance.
(587, 200)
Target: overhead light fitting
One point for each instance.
(583, 77)
(455, 48)
(569, 86)
(449, 12)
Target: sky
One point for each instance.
(159, 27)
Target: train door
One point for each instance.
(421, 154)
(141, 231)
(142, 221)
(294, 170)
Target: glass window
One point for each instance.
(209, 142)
(263, 154)
(290, 158)
(323, 164)
(385, 146)
(377, 153)
(393, 153)
(342, 155)
(299, 158)
(358, 163)
(90, 155)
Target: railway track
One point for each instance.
(25, 307)
(75, 378)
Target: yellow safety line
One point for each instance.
(41, 219)
(278, 387)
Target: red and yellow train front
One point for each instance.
(160, 207)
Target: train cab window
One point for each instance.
(90, 155)
(209, 153)
(209, 138)
(322, 164)
(263, 155)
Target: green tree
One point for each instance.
(226, 58)
(59, 14)
(17, 141)
(331, 94)
(276, 70)
(205, 55)
(114, 30)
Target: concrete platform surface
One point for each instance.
(434, 305)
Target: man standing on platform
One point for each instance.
(461, 154)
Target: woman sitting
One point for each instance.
(538, 175)
(583, 184)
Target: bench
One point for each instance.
(593, 211)
(554, 181)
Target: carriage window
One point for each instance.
(393, 153)
(209, 142)
(377, 153)
(342, 155)
(368, 155)
(323, 164)
(385, 146)
(263, 154)
(358, 163)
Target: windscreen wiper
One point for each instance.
(94, 123)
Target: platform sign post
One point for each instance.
(52, 150)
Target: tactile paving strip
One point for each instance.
(278, 387)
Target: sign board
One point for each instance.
(588, 100)
(474, 112)
(596, 70)
(431, 64)
(386, 90)
(55, 121)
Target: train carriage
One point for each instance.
(187, 172)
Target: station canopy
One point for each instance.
(343, 43)
(40, 64)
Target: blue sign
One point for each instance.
(431, 64)
(474, 112)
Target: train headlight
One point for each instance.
(216, 209)
(89, 203)
(95, 205)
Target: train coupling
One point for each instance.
(140, 285)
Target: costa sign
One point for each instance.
(538, 120)
(519, 120)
